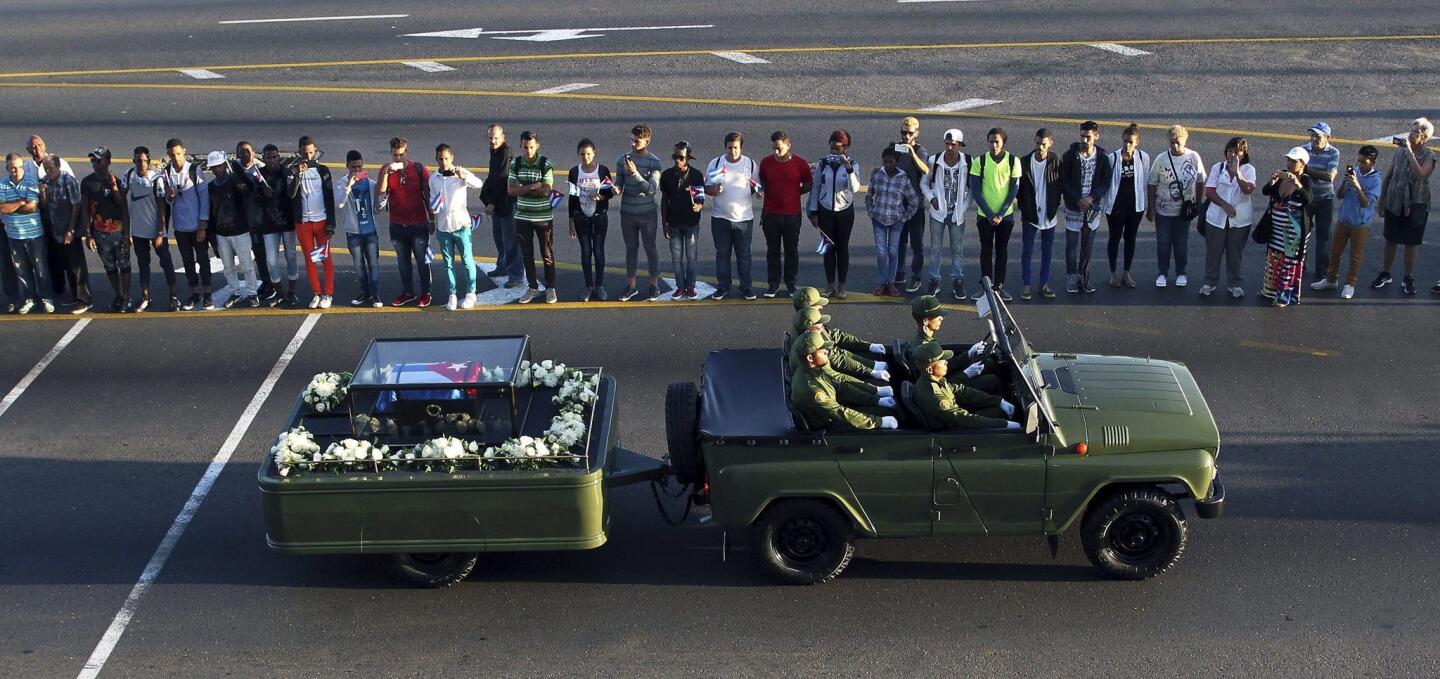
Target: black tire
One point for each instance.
(682, 437)
(433, 571)
(1134, 534)
(803, 542)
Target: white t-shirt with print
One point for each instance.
(1169, 195)
(736, 201)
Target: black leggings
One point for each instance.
(1123, 224)
(837, 226)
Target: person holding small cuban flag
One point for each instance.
(682, 195)
(732, 181)
(591, 188)
(531, 179)
(450, 210)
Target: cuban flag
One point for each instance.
(320, 253)
(697, 195)
(555, 199)
(476, 220)
(607, 184)
(823, 247)
(756, 186)
(429, 254)
(437, 201)
(254, 173)
(716, 176)
(573, 190)
(429, 373)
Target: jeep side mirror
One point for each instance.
(1032, 418)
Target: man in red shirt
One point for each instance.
(406, 184)
(784, 177)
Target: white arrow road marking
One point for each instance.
(545, 34)
(561, 89)
(961, 105)
(338, 18)
(500, 295)
(216, 266)
(702, 290)
(1119, 49)
(201, 74)
(740, 57)
(429, 66)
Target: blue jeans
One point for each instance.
(887, 249)
(683, 255)
(1172, 235)
(9, 282)
(1077, 252)
(507, 246)
(1027, 252)
(955, 230)
(27, 256)
(1322, 217)
(410, 243)
(590, 231)
(455, 248)
(365, 251)
(732, 237)
(914, 234)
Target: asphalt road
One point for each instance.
(1321, 567)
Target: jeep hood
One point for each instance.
(1118, 404)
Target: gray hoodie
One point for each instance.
(638, 191)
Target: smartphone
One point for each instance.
(448, 173)
(397, 166)
(1398, 141)
(902, 148)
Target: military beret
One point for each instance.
(808, 296)
(811, 341)
(807, 317)
(931, 352)
(927, 306)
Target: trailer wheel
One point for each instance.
(435, 570)
(803, 542)
(682, 420)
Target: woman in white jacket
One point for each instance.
(947, 196)
(831, 207)
(1125, 202)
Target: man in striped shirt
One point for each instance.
(530, 178)
(20, 208)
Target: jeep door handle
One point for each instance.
(844, 450)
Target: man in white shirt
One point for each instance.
(452, 222)
(947, 196)
(732, 181)
(314, 210)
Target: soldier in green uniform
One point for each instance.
(843, 359)
(813, 395)
(861, 351)
(938, 402)
(853, 391)
(929, 315)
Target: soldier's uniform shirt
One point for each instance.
(842, 361)
(814, 396)
(977, 392)
(938, 403)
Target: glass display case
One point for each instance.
(406, 391)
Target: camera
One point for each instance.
(1398, 141)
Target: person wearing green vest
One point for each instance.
(994, 183)
(814, 398)
(938, 402)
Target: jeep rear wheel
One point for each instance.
(803, 542)
(1134, 534)
(433, 571)
(682, 421)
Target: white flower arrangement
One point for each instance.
(326, 391)
(293, 448)
(354, 450)
(496, 374)
(546, 373)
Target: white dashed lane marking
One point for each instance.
(561, 89)
(740, 57)
(1119, 49)
(962, 105)
(200, 74)
(429, 66)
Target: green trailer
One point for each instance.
(433, 524)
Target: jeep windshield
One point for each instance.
(1013, 349)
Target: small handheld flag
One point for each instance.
(320, 253)
(555, 199)
(437, 201)
(476, 219)
(716, 176)
(823, 247)
(697, 195)
(607, 185)
(574, 190)
(429, 254)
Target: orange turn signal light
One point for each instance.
(1081, 449)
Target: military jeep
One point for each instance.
(1113, 444)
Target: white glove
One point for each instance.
(887, 402)
(884, 391)
(877, 349)
(976, 349)
(1012, 426)
(1007, 407)
(883, 375)
(888, 422)
(881, 365)
(974, 369)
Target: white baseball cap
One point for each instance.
(955, 134)
(1300, 154)
(215, 158)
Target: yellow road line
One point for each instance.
(753, 50)
(1290, 348)
(634, 98)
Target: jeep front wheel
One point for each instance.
(803, 542)
(1134, 534)
(433, 571)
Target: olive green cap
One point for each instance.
(807, 317)
(927, 306)
(931, 352)
(808, 296)
(811, 341)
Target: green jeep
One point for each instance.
(1113, 443)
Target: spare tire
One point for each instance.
(682, 421)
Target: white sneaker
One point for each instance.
(376, 304)
(1205, 290)
(1321, 284)
(326, 301)
(1160, 281)
(315, 302)
(469, 301)
(1237, 292)
(1181, 281)
(1347, 292)
(452, 303)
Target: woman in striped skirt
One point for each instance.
(1289, 194)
